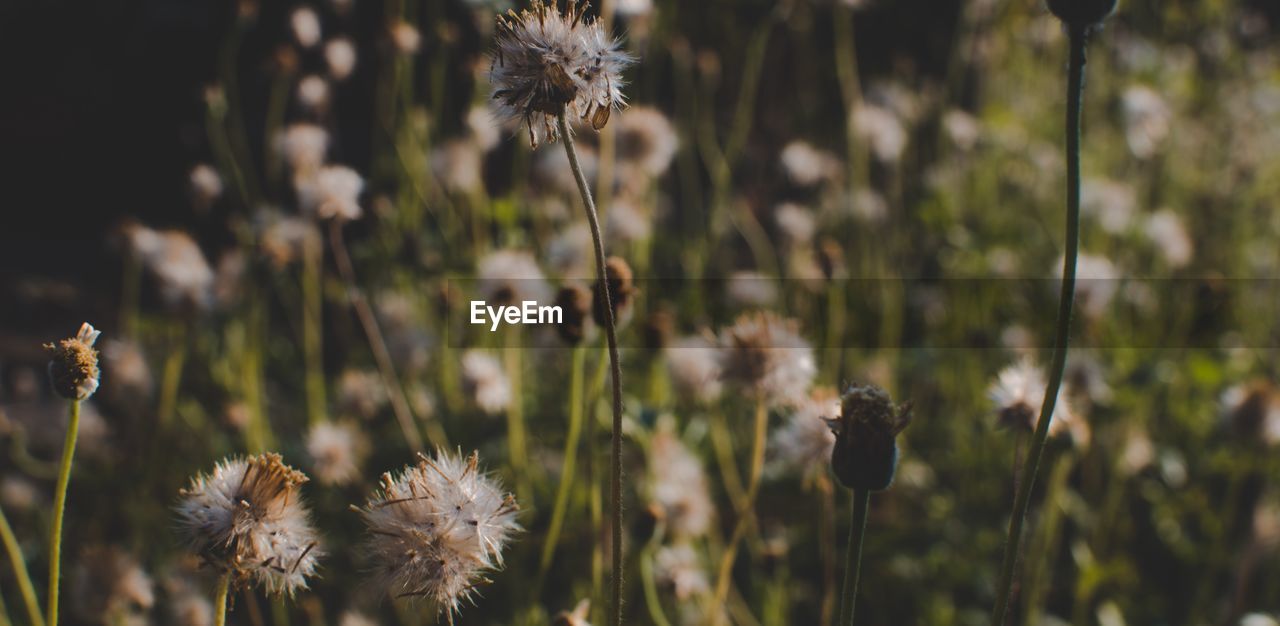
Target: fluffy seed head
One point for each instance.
(767, 356)
(550, 62)
(336, 449)
(331, 193)
(695, 368)
(73, 366)
(109, 586)
(437, 527)
(485, 382)
(1017, 394)
(804, 442)
(340, 56)
(247, 518)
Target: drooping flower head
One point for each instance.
(247, 518)
(550, 62)
(437, 527)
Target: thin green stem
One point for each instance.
(1075, 92)
(725, 574)
(853, 556)
(312, 330)
(517, 441)
(570, 459)
(611, 333)
(59, 508)
(220, 600)
(20, 572)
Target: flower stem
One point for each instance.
(853, 556)
(20, 572)
(59, 508)
(1075, 92)
(220, 600)
(611, 333)
(725, 573)
(570, 459)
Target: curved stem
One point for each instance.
(20, 572)
(570, 459)
(725, 574)
(1075, 92)
(59, 508)
(615, 477)
(220, 600)
(853, 556)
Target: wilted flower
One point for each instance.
(806, 166)
(206, 185)
(1146, 119)
(766, 356)
(313, 92)
(865, 453)
(678, 485)
(109, 586)
(511, 277)
(646, 140)
(332, 193)
(73, 364)
(804, 443)
(486, 383)
(577, 617)
(694, 365)
(1165, 229)
(336, 451)
(437, 527)
(881, 129)
(303, 146)
(340, 56)
(247, 519)
(550, 63)
(179, 267)
(1018, 393)
(405, 37)
(678, 568)
(306, 26)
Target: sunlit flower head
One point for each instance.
(73, 364)
(550, 62)
(247, 519)
(1017, 394)
(437, 527)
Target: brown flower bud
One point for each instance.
(73, 368)
(865, 455)
(622, 287)
(575, 304)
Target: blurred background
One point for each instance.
(886, 176)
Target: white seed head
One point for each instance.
(646, 140)
(1147, 120)
(247, 518)
(511, 277)
(803, 444)
(486, 382)
(303, 146)
(695, 368)
(313, 92)
(336, 451)
(882, 130)
(333, 192)
(1165, 229)
(806, 166)
(550, 62)
(1018, 392)
(340, 56)
(766, 355)
(678, 485)
(437, 527)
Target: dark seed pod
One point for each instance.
(575, 304)
(73, 368)
(1082, 13)
(865, 455)
(622, 288)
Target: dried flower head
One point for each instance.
(361, 393)
(1147, 120)
(336, 450)
(109, 586)
(73, 364)
(622, 290)
(247, 519)
(865, 454)
(510, 277)
(437, 527)
(486, 383)
(695, 368)
(579, 616)
(678, 485)
(550, 62)
(575, 304)
(804, 442)
(333, 192)
(767, 356)
(1018, 393)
